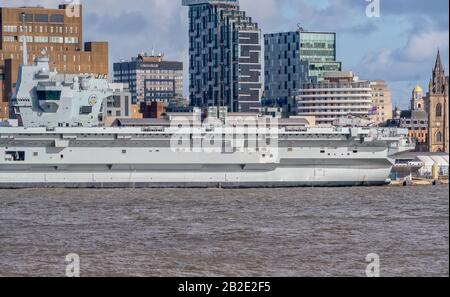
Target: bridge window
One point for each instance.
(49, 95)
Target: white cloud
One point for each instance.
(411, 62)
(423, 45)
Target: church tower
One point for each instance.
(437, 107)
(417, 101)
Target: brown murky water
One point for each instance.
(275, 232)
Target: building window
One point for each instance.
(439, 110)
(10, 29)
(41, 39)
(439, 138)
(56, 39)
(28, 38)
(57, 18)
(41, 18)
(9, 39)
(71, 40)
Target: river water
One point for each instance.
(213, 232)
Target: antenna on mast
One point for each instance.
(24, 42)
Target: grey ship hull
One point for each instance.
(129, 158)
(332, 178)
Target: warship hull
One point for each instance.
(280, 177)
(129, 158)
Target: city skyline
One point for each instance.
(398, 47)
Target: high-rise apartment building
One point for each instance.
(381, 102)
(284, 71)
(58, 32)
(293, 58)
(225, 56)
(151, 78)
(340, 94)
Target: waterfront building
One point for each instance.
(225, 49)
(340, 94)
(58, 32)
(117, 105)
(151, 78)
(136, 111)
(438, 109)
(381, 102)
(152, 110)
(292, 58)
(416, 120)
(420, 165)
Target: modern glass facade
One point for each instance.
(284, 70)
(293, 58)
(319, 50)
(225, 56)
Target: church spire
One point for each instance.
(438, 66)
(437, 83)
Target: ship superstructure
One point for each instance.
(44, 98)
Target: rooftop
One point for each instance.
(199, 2)
(418, 89)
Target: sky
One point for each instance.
(399, 46)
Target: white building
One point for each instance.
(420, 164)
(340, 94)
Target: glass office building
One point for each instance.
(319, 50)
(293, 58)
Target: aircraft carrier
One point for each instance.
(61, 143)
